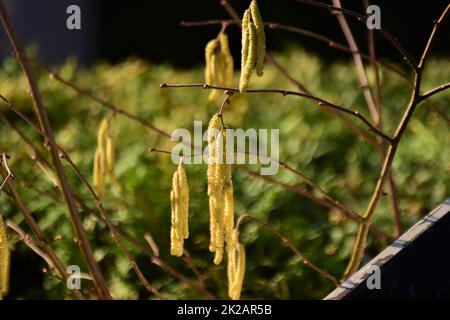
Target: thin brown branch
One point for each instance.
(361, 71)
(434, 91)
(320, 101)
(114, 108)
(322, 202)
(30, 243)
(290, 244)
(363, 19)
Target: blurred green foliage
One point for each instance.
(313, 141)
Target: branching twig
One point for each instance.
(320, 101)
(362, 19)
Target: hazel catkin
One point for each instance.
(253, 45)
(104, 158)
(219, 65)
(179, 199)
(261, 38)
(4, 260)
(235, 266)
(220, 190)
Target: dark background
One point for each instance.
(114, 30)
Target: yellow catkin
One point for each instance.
(4, 261)
(209, 54)
(228, 59)
(261, 38)
(249, 66)
(235, 266)
(104, 159)
(184, 199)
(212, 67)
(245, 38)
(228, 213)
(110, 157)
(212, 132)
(98, 177)
(220, 190)
(179, 199)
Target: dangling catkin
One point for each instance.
(219, 66)
(220, 191)
(261, 38)
(209, 54)
(179, 199)
(104, 158)
(249, 66)
(228, 59)
(253, 45)
(110, 157)
(99, 178)
(235, 266)
(4, 261)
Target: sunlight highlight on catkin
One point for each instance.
(220, 190)
(253, 45)
(235, 266)
(104, 158)
(219, 65)
(179, 200)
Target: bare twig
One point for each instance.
(320, 101)
(361, 71)
(434, 91)
(362, 19)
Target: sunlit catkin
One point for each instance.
(235, 266)
(228, 59)
(219, 66)
(220, 190)
(104, 158)
(110, 157)
(209, 54)
(249, 66)
(261, 38)
(4, 261)
(253, 45)
(179, 199)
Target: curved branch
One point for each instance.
(320, 101)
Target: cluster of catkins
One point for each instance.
(219, 61)
(4, 260)
(219, 65)
(219, 73)
(253, 45)
(104, 157)
(221, 208)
